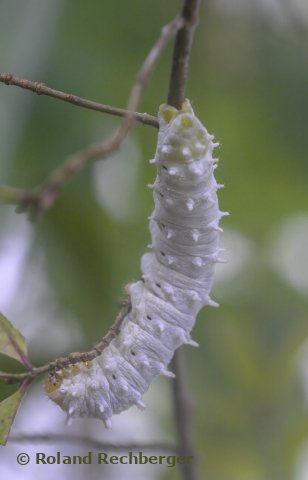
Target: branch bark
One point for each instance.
(181, 53)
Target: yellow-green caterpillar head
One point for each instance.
(182, 137)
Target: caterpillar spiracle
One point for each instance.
(177, 276)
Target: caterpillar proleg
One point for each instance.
(177, 276)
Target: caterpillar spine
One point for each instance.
(177, 276)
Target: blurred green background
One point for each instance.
(62, 278)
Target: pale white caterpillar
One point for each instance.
(176, 277)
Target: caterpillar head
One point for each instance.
(182, 137)
(56, 379)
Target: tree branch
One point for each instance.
(176, 96)
(74, 357)
(41, 198)
(93, 443)
(183, 415)
(181, 53)
(42, 89)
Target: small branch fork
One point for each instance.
(41, 198)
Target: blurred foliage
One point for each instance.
(248, 82)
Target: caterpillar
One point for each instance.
(177, 276)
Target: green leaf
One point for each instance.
(8, 410)
(12, 342)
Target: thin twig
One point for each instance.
(73, 357)
(93, 443)
(183, 416)
(41, 198)
(181, 53)
(43, 89)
